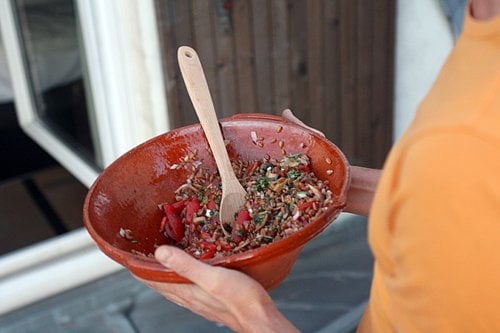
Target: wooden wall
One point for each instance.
(330, 61)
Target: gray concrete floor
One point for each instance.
(326, 291)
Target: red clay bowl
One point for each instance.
(126, 195)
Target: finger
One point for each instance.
(288, 114)
(213, 280)
(184, 264)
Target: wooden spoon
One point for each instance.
(233, 194)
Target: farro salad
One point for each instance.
(283, 196)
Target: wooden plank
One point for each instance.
(332, 82)
(383, 79)
(348, 134)
(331, 61)
(280, 55)
(226, 76)
(315, 62)
(245, 69)
(298, 61)
(364, 87)
(204, 44)
(261, 25)
(181, 13)
(167, 43)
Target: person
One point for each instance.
(434, 213)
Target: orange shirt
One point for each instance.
(434, 227)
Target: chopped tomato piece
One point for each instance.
(243, 215)
(176, 207)
(174, 226)
(239, 226)
(209, 250)
(179, 205)
(305, 168)
(305, 205)
(252, 169)
(192, 208)
(205, 235)
(212, 205)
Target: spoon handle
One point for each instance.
(197, 87)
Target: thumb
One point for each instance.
(162, 255)
(183, 263)
(288, 114)
(172, 257)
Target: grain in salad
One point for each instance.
(283, 196)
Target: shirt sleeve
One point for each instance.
(445, 236)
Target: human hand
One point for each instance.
(364, 181)
(219, 294)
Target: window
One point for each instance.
(88, 85)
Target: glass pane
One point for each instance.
(53, 48)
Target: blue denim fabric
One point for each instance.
(454, 11)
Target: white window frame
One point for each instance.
(128, 98)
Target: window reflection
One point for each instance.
(53, 49)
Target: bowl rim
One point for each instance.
(296, 240)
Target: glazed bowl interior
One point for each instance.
(126, 194)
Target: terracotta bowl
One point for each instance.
(126, 195)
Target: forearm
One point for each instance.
(485, 9)
(364, 182)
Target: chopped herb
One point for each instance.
(262, 184)
(266, 239)
(293, 174)
(259, 218)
